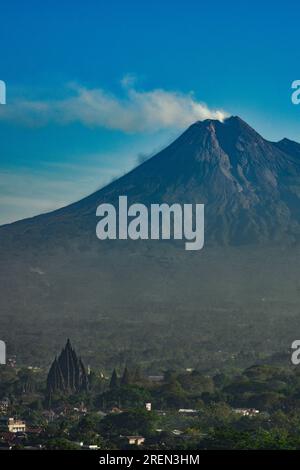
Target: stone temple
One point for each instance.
(67, 373)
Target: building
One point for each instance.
(12, 361)
(16, 425)
(87, 446)
(4, 404)
(135, 440)
(188, 411)
(12, 425)
(148, 406)
(156, 378)
(67, 373)
(246, 411)
(81, 409)
(177, 432)
(116, 410)
(34, 431)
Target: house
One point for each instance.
(16, 425)
(81, 409)
(11, 361)
(4, 404)
(90, 447)
(156, 378)
(12, 425)
(116, 410)
(177, 432)
(135, 440)
(34, 430)
(246, 411)
(87, 446)
(187, 411)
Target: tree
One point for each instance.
(62, 444)
(137, 421)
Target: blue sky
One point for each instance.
(93, 87)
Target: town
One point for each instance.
(72, 406)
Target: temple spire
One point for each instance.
(67, 373)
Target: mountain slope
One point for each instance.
(250, 188)
(152, 300)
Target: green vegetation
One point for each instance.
(255, 408)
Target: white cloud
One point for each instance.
(135, 111)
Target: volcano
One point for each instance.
(132, 298)
(250, 188)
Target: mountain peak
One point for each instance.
(239, 126)
(232, 137)
(233, 125)
(288, 146)
(231, 120)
